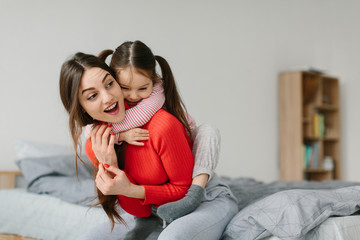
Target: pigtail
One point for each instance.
(105, 53)
(173, 102)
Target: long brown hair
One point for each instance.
(139, 56)
(70, 77)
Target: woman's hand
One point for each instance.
(133, 136)
(113, 181)
(103, 144)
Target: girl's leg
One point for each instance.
(206, 149)
(208, 221)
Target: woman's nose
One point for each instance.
(107, 98)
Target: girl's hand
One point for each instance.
(113, 181)
(133, 136)
(103, 144)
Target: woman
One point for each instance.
(162, 167)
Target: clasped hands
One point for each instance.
(110, 180)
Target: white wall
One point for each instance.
(225, 55)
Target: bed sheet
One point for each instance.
(334, 228)
(45, 217)
(337, 228)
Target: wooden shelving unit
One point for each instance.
(7, 179)
(309, 126)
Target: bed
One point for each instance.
(55, 203)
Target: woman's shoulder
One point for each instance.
(163, 120)
(161, 113)
(164, 127)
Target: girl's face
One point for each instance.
(100, 96)
(134, 84)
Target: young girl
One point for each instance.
(145, 95)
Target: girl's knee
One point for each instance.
(208, 132)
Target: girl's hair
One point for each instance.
(70, 77)
(140, 57)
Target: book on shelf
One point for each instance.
(316, 125)
(319, 125)
(311, 155)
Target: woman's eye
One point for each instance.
(92, 96)
(110, 83)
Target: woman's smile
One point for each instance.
(113, 109)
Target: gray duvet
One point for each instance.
(288, 210)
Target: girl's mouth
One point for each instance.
(132, 103)
(112, 109)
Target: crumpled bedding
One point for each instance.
(288, 210)
(45, 217)
(57, 176)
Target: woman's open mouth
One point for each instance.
(113, 109)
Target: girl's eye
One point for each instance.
(125, 88)
(92, 96)
(142, 89)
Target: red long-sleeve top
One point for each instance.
(163, 166)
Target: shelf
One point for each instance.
(309, 126)
(317, 171)
(309, 138)
(331, 139)
(326, 107)
(7, 179)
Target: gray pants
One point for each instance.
(207, 222)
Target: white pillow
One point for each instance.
(30, 149)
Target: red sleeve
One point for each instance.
(90, 153)
(171, 142)
(134, 206)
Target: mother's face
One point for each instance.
(100, 96)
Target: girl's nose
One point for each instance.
(133, 95)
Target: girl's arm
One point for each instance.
(140, 114)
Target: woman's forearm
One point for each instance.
(135, 191)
